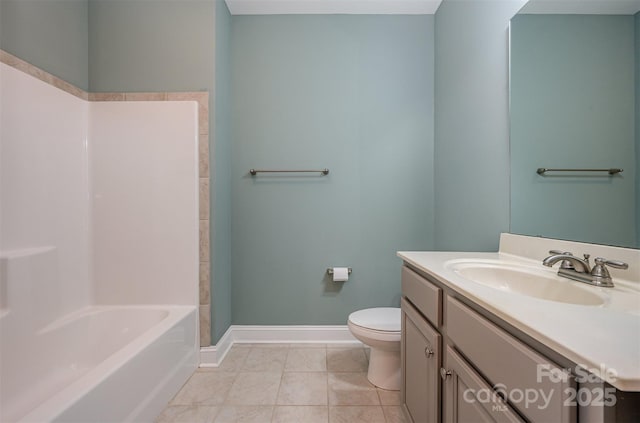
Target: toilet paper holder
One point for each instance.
(330, 270)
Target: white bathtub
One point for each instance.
(100, 364)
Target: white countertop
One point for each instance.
(604, 339)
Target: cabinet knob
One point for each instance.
(428, 352)
(444, 373)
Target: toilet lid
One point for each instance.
(380, 318)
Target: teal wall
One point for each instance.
(221, 178)
(160, 45)
(573, 106)
(350, 93)
(49, 34)
(472, 123)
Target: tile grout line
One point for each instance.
(281, 377)
(279, 386)
(287, 409)
(327, 381)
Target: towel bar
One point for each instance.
(612, 171)
(323, 172)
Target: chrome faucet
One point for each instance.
(569, 261)
(580, 270)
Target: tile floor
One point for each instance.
(297, 383)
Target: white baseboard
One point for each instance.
(241, 334)
(212, 356)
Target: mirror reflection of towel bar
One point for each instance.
(323, 172)
(612, 171)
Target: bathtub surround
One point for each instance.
(154, 240)
(76, 40)
(160, 46)
(44, 168)
(74, 203)
(202, 98)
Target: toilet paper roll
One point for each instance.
(340, 274)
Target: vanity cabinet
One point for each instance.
(421, 358)
(421, 348)
(465, 398)
(458, 366)
(536, 386)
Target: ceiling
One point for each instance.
(348, 7)
(588, 7)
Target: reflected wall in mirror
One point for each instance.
(574, 104)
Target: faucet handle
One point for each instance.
(569, 253)
(612, 263)
(600, 275)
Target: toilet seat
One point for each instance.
(378, 319)
(369, 336)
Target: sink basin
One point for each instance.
(525, 280)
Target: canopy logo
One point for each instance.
(587, 395)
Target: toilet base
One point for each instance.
(384, 369)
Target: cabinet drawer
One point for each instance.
(510, 365)
(423, 294)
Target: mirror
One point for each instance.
(574, 104)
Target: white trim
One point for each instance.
(247, 334)
(212, 356)
(293, 334)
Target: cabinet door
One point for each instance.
(421, 355)
(468, 398)
(504, 360)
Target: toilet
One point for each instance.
(379, 328)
